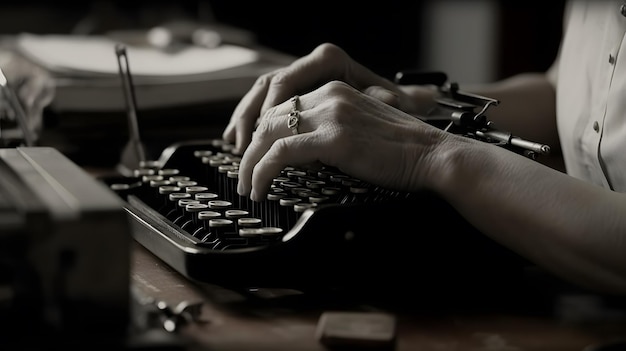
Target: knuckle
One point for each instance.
(330, 51)
(264, 79)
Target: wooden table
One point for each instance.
(287, 320)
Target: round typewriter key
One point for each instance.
(230, 190)
(232, 159)
(202, 153)
(184, 202)
(164, 191)
(338, 178)
(152, 197)
(287, 214)
(193, 223)
(271, 212)
(358, 194)
(214, 161)
(301, 192)
(168, 189)
(219, 204)
(222, 179)
(295, 174)
(177, 196)
(119, 186)
(249, 222)
(151, 177)
(330, 191)
(315, 184)
(195, 189)
(270, 234)
(318, 199)
(235, 214)
(289, 186)
(178, 178)
(271, 231)
(301, 207)
(276, 181)
(205, 231)
(289, 201)
(212, 174)
(224, 168)
(124, 189)
(138, 173)
(158, 183)
(359, 189)
(168, 172)
(305, 178)
(221, 228)
(181, 212)
(250, 232)
(209, 214)
(206, 197)
(195, 206)
(172, 208)
(186, 183)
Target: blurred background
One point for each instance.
(473, 40)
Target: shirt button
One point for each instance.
(611, 59)
(622, 10)
(596, 126)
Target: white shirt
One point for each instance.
(591, 92)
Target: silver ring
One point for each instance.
(293, 119)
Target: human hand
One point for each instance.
(326, 63)
(343, 127)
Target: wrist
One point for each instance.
(457, 161)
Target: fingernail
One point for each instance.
(240, 189)
(254, 196)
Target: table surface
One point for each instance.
(287, 320)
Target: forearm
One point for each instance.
(578, 232)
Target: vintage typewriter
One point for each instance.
(317, 228)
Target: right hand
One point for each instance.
(325, 63)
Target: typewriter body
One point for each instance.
(317, 227)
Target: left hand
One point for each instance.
(343, 127)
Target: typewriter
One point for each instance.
(317, 227)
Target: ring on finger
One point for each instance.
(293, 119)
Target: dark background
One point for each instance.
(385, 37)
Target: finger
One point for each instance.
(274, 125)
(295, 150)
(385, 95)
(325, 63)
(242, 122)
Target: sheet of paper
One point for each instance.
(95, 55)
